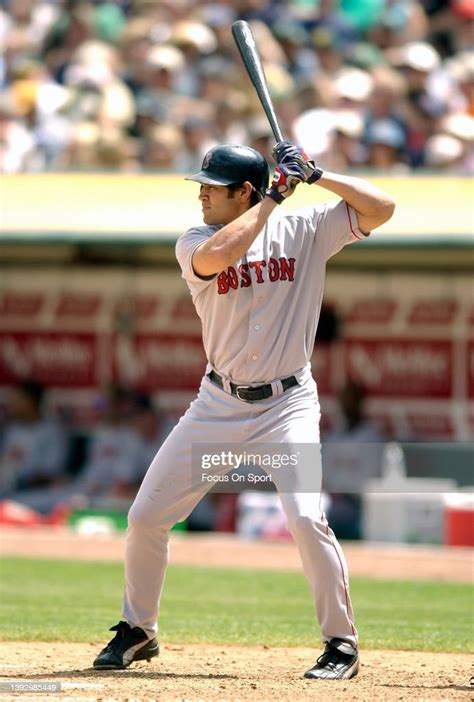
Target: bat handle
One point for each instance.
(277, 132)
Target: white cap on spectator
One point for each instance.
(99, 74)
(94, 52)
(354, 84)
(461, 67)
(442, 149)
(459, 125)
(313, 129)
(168, 57)
(258, 127)
(196, 34)
(417, 55)
(349, 122)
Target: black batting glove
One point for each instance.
(311, 172)
(285, 151)
(284, 182)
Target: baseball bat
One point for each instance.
(243, 37)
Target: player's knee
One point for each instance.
(302, 526)
(141, 517)
(137, 517)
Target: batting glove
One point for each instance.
(285, 179)
(285, 151)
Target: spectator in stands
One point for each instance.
(163, 65)
(352, 454)
(151, 425)
(420, 66)
(72, 27)
(34, 448)
(197, 140)
(231, 113)
(260, 136)
(385, 140)
(301, 61)
(17, 144)
(196, 41)
(348, 151)
(161, 148)
(386, 97)
(113, 448)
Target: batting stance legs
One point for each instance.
(170, 491)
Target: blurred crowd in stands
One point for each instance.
(46, 461)
(138, 85)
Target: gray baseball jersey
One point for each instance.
(259, 316)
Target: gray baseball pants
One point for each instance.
(168, 495)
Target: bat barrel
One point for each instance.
(251, 59)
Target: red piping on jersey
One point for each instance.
(350, 223)
(346, 594)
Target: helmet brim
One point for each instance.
(208, 178)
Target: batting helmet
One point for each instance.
(229, 164)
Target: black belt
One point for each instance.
(247, 393)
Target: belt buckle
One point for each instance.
(239, 388)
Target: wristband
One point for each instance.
(314, 177)
(275, 195)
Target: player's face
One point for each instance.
(219, 205)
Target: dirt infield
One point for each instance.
(203, 672)
(233, 673)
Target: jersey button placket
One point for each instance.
(255, 326)
(254, 341)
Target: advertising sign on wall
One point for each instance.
(408, 342)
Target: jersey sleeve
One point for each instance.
(336, 226)
(185, 248)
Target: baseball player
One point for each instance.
(256, 273)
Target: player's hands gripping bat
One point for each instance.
(285, 179)
(285, 152)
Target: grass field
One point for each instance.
(77, 601)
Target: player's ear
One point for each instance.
(247, 189)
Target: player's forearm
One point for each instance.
(372, 204)
(232, 241)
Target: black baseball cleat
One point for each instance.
(340, 661)
(127, 646)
